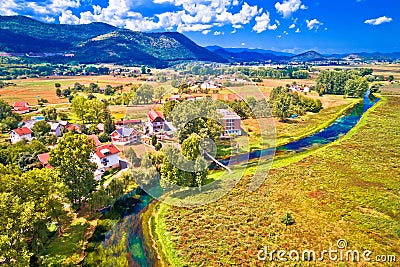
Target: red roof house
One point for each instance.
(155, 121)
(23, 133)
(21, 107)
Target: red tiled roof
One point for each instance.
(95, 140)
(20, 105)
(44, 158)
(22, 131)
(106, 150)
(153, 115)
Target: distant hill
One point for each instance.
(308, 56)
(99, 43)
(260, 51)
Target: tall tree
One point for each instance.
(72, 159)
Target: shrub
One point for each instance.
(287, 219)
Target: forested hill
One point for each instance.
(98, 43)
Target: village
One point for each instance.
(109, 156)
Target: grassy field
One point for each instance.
(348, 190)
(29, 90)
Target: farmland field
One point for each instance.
(347, 190)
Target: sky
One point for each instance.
(294, 26)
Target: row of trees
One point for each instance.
(342, 82)
(286, 103)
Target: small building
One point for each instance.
(20, 134)
(124, 136)
(155, 121)
(56, 128)
(230, 121)
(44, 160)
(21, 107)
(105, 157)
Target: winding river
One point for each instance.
(140, 252)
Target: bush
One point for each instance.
(158, 146)
(104, 137)
(287, 219)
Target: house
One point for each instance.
(73, 128)
(44, 160)
(21, 107)
(155, 121)
(56, 128)
(124, 136)
(105, 157)
(20, 134)
(95, 140)
(230, 121)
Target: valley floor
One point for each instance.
(347, 190)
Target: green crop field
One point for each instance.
(348, 190)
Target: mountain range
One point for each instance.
(103, 43)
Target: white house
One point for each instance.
(56, 128)
(155, 121)
(20, 134)
(106, 157)
(124, 136)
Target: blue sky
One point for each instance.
(295, 26)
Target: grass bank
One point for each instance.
(349, 190)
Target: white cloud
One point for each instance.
(216, 33)
(285, 32)
(205, 32)
(378, 21)
(193, 15)
(313, 24)
(298, 30)
(263, 23)
(243, 44)
(292, 26)
(288, 7)
(68, 18)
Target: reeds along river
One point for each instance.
(141, 254)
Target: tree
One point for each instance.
(58, 92)
(49, 113)
(143, 94)
(187, 169)
(41, 128)
(109, 125)
(104, 137)
(159, 92)
(28, 202)
(391, 78)
(167, 107)
(356, 87)
(154, 140)
(281, 107)
(72, 159)
(5, 109)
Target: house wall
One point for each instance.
(15, 138)
(113, 162)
